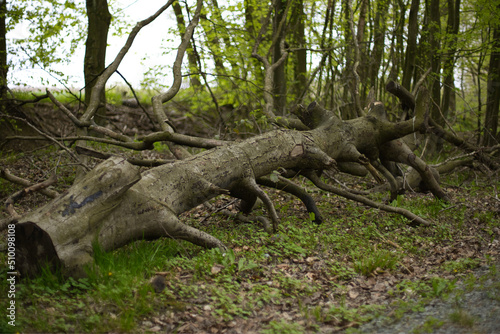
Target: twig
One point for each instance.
(137, 99)
(52, 139)
(404, 95)
(5, 174)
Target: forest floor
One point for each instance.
(361, 271)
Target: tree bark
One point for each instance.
(352, 59)
(279, 81)
(377, 52)
(451, 49)
(493, 92)
(299, 56)
(99, 19)
(181, 24)
(411, 46)
(435, 143)
(3, 53)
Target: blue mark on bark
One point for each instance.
(70, 209)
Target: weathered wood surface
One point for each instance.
(114, 205)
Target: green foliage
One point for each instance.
(429, 326)
(283, 327)
(56, 30)
(372, 261)
(436, 287)
(461, 265)
(462, 318)
(305, 270)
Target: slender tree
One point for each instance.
(280, 80)
(3, 51)
(450, 54)
(299, 41)
(493, 90)
(99, 20)
(434, 31)
(350, 75)
(411, 46)
(379, 35)
(192, 59)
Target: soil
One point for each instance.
(473, 307)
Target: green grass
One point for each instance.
(373, 261)
(114, 95)
(462, 318)
(429, 326)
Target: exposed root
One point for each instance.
(251, 185)
(414, 219)
(291, 188)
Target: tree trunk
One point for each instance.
(3, 53)
(363, 51)
(114, 205)
(411, 46)
(299, 41)
(95, 51)
(435, 143)
(279, 89)
(451, 49)
(350, 92)
(493, 92)
(193, 67)
(377, 52)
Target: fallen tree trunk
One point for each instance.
(114, 205)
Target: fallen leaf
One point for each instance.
(310, 275)
(216, 269)
(353, 294)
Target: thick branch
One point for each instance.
(9, 203)
(158, 100)
(133, 161)
(290, 187)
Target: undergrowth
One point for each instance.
(356, 265)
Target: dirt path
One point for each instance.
(473, 307)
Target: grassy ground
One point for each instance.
(333, 277)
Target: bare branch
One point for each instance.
(5, 174)
(9, 203)
(158, 100)
(66, 111)
(103, 78)
(414, 219)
